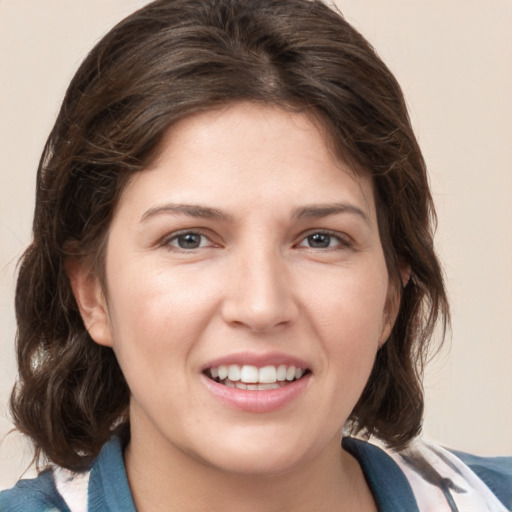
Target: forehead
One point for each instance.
(245, 123)
(248, 154)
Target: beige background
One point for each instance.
(454, 60)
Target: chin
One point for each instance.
(264, 463)
(259, 454)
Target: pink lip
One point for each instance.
(259, 360)
(257, 401)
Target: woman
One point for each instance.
(232, 266)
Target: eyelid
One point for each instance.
(344, 239)
(166, 240)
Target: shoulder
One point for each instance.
(458, 479)
(428, 477)
(104, 487)
(495, 472)
(35, 495)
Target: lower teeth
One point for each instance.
(254, 387)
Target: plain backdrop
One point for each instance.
(454, 61)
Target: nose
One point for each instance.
(259, 293)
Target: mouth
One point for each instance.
(253, 378)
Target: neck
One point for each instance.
(171, 480)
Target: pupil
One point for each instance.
(189, 241)
(319, 240)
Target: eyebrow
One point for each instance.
(304, 212)
(192, 210)
(324, 210)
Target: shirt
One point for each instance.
(425, 478)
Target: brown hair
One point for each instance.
(170, 59)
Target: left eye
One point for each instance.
(188, 240)
(321, 241)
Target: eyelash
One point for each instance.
(342, 241)
(174, 237)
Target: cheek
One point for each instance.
(349, 319)
(349, 305)
(160, 312)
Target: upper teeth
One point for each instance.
(253, 375)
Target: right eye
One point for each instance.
(188, 240)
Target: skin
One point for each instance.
(257, 284)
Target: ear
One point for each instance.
(389, 316)
(91, 302)
(393, 303)
(405, 274)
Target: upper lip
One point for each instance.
(258, 360)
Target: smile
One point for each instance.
(252, 378)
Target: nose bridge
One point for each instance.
(259, 294)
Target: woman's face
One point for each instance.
(245, 249)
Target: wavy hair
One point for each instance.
(168, 60)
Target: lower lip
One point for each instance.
(259, 401)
